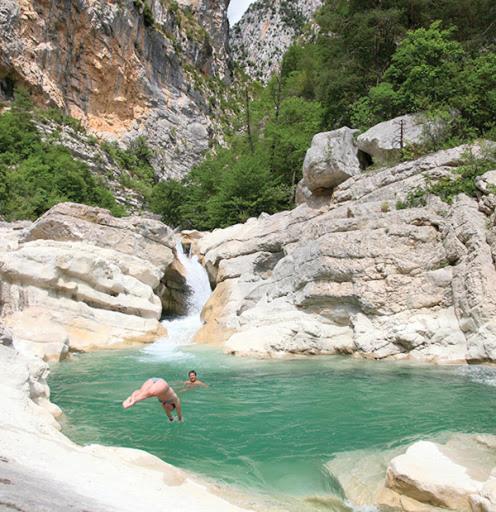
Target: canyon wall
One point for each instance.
(124, 68)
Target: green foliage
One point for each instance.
(258, 172)
(368, 62)
(425, 68)
(35, 175)
(292, 16)
(359, 74)
(424, 73)
(166, 199)
(461, 181)
(135, 160)
(144, 8)
(289, 137)
(477, 102)
(56, 116)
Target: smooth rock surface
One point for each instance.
(447, 475)
(383, 141)
(81, 279)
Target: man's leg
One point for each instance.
(168, 409)
(140, 394)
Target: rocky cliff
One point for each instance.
(124, 68)
(358, 273)
(264, 33)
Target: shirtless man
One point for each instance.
(193, 381)
(160, 389)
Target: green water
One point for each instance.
(269, 426)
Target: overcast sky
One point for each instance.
(236, 9)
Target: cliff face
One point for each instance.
(264, 33)
(361, 273)
(124, 68)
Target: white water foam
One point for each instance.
(480, 374)
(182, 329)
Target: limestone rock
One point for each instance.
(487, 182)
(474, 279)
(486, 500)
(79, 279)
(150, 239)
(5, 336)
(174, 290)
(129, 75)
(317, 199)
(37, 462)
(441, 475)
(359, 276)
(331, 159)
(383, 141)
(260, 38)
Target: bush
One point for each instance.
(462, 181)
(36, 175)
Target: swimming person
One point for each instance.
(158, 388)
(193, 381)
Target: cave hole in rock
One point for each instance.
(365, 159)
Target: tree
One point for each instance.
(477, 102)
(425, 74)
(247, 190)
(290, 135)
(166, 199)
(425, 69)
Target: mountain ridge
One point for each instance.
(260, 38)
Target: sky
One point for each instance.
(236, 9)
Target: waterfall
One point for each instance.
(180, 330)
(197, 280)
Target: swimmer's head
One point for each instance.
(192, 376)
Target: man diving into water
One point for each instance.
(160, 389)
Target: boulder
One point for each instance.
(174, 290)
(440, 475)
(317, 199)
(486, 500)
(138, 236)
(487, 182)
(331, 159)
(383, 141)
